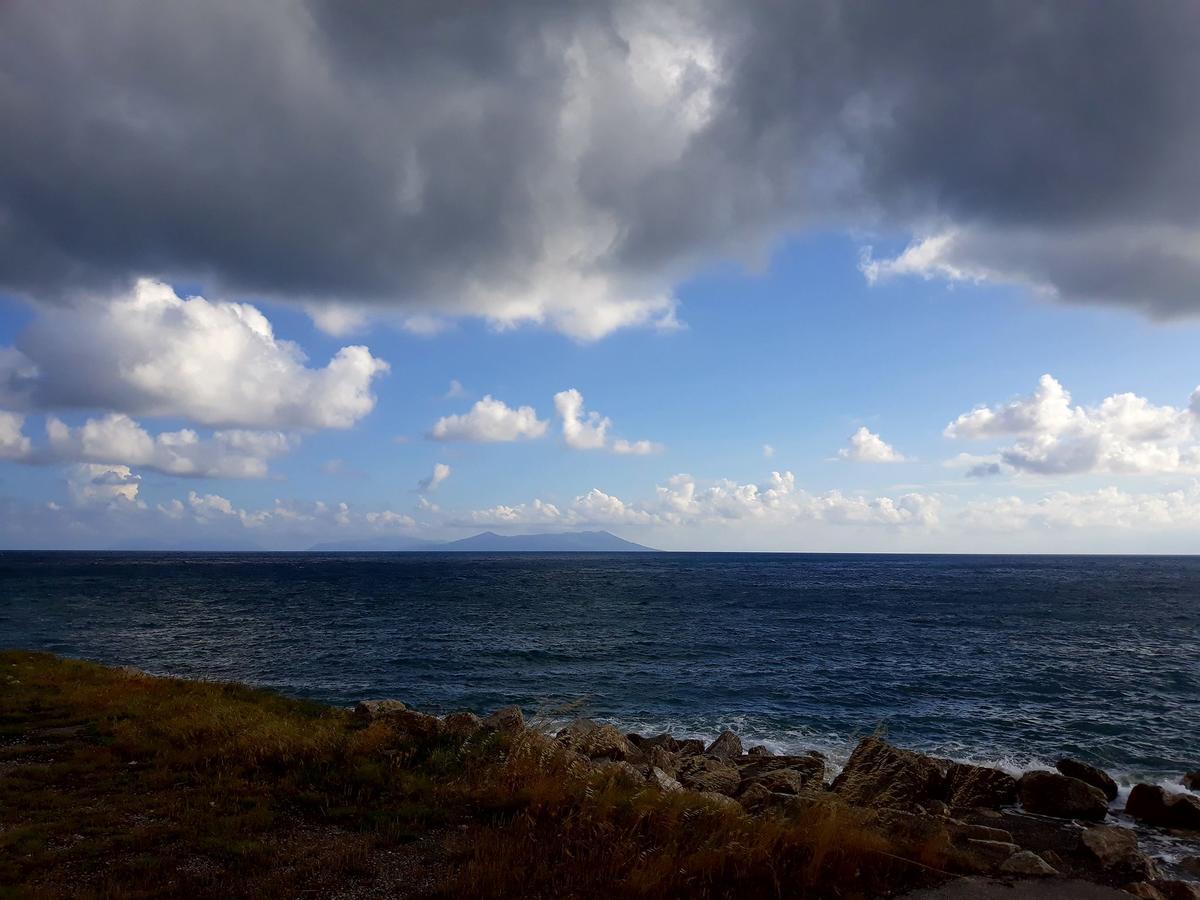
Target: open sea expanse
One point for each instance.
(1012, 660)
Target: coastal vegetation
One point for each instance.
(114, 783)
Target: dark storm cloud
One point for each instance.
(450, 157)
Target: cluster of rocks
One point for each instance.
(984, 820)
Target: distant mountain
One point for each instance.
(575, 541)
(490, 542)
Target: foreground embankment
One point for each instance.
(116, 783)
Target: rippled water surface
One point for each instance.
(995, 658)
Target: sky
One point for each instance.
(796, 277)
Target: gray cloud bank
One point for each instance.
(567, 163)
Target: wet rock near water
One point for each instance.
(878, 774)
(1088, 774)
(1051, 794)
(1155, 805)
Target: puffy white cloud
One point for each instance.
(490, 420)
(589, 431)
(313, 518)
(117, 439)
(1106, 508)
(440, 473)
(1123, 434)
(149, 352)
(580, 432)
(388, 519)
(683, 502)
(13, 442)
(92, 483)
(866, 446)
(536, 512)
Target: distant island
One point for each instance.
(490, 542)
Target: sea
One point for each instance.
(1007, 660)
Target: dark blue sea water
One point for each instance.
(1006, 659)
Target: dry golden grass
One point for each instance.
(116, 785)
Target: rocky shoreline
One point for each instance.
(982, 821)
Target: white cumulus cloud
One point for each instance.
(116, 439)
(13, 442)
(1123, 434)
(150, 352)
(589, 430)
(681, 501)
(92, 483)
(440, 473)
(866, 446)
(490, 420)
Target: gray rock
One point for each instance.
(977, 786)
(663, 781)
(1051, 794)
(991, 853)
(508, 718)
(598, 741)
(1156, 806)
(1116, 850)
(370, 710)
(882, 776)
(759, 750)
(1026, 862)
(1074, 768)
(461, 724)
(1191, 781)
(727, 746)
(704, 773)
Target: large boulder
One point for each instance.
(810, 765)
(782, 774)
(663, 781)
(727, 746)
(662, 741)
(597, 741)
(1156, 806)
(1027, 864)
(1051, 794)
(880, 775)
(704, 773)
(779, 781)
(461, 724)
(977, 786)
(690, 747)
(1116, 850)
(508, 718)
(366, 711)
(1191, 781)
(1177, 890)
(1074, 768)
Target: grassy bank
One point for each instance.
(117, 784)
